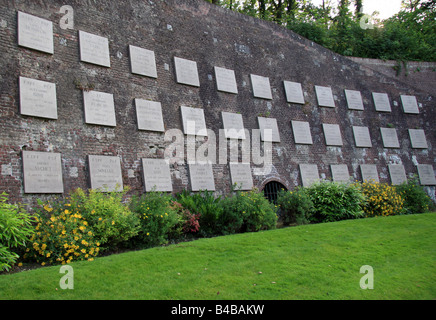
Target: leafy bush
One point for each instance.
(296, 206)
(189, 221)
(15, 229)
(415, 198)
(381, 199)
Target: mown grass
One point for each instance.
(320, 261)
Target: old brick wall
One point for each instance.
(211, 36)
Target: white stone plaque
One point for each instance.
(35, 33)
(149, 115)
(142, 62)
(38, 98)
(397, 173)
(99, 108)
(225, 80)
(105, 173)
(417, 139)
(381, 102)
(369, 172)
(94, 49)
(193, 121)
(233, 125)
(354, 99)
(309, 174)
(361, 137)
(294, 92)
(301, 130)
(332, 134)
(201, 177)
(261, 87)
(269, 130)
(426, 175)
(240, 174)
(42, 172)
(390, 138)
(157, 175)
(324, 96)
(186, 72)
(410, 105)
(340, 172)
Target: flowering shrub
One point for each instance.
(381, 199)
(296, 206)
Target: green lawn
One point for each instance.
(319, 261)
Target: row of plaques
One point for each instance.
(43, 174)
(37, 33)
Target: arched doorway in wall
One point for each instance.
(271, 190)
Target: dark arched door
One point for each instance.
(272, 189)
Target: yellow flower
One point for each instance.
(113, 222)
(43, 264)
(66, 211)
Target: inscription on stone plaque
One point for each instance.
(324, 96)
(354, 99)
(193, 121)
(269, 130)
(38, 98)
(340, 172)
(225, 80)
(35, 33)
(332, 134)
(301, 130)
(369, 172)
(99, 108)
(42, 172)
(142, 61)
(309, 174)
(361, 137)
(233, 125)
(105, 173)
(397, 173)
(261, 87)
(240, 174)
(149, 115)
(381, 102)
(201, 177)
(157, 175)
(417, 139)
(94, 49)
(410, 105)
(294, 92)
(390, 138)
(426, 175)
(186, 72)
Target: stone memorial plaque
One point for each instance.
(361, 137)
(38, 98)
(426, 175)
(149, 115)
(354, 99)
(269, 130)
(390, 138)
(157, 175)
(193, 121)
(201, 177)
(417, 139)
(397, 173)
(324, 96)
(332, 134)
(309, 174)
(301, 130)
(410, 105)
(381, 102)
(240, 174)
(369, 172)
(94, 49)
(142, 62)
(42, 172)
(340, 172)
(233, 125)
(35, 33)
(225, 80)
(261, 87)
(186, 72)
(105, 173)
(294, 92)
(99, 108)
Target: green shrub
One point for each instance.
(416, 200)
(15, 229)
(296, 206)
